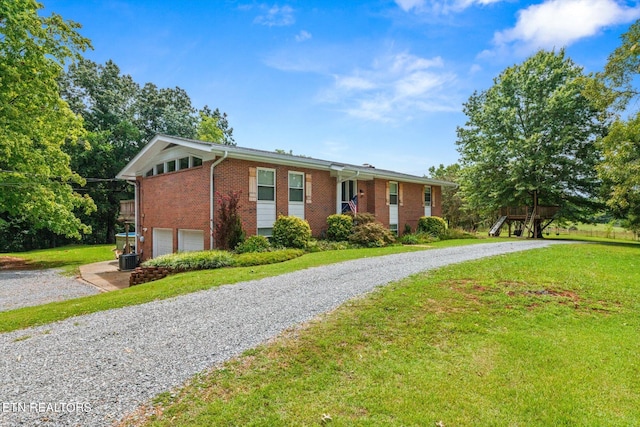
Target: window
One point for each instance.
(159, 168)
(296, 189)
(184, 163)
(149, 172)
(266, 232)
(393, 194)
(266, 185)
(394, 229)
(427, 195)
(171, 166)
(197, 161)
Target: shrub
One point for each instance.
(250, 259)
(228, 224)
(326, 245)
(254, 244)
(364, 218)
(409, 239)
(371, 234)
(456, 233)
(189, 261)
(433, 225)
(407, 229)
(291, 232)
(339, 227)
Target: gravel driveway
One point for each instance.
(95, 369)
(22, 288)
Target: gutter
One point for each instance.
(211, 194)
(136, 202)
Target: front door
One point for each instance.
(349, 189)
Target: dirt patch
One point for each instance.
(119, 279)
(13, 263)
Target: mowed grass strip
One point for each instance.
(67, 258)
(539, 338)
(184, 283)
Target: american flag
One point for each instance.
(353, 204)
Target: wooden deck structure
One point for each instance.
(529, 221)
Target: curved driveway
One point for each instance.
(94, 369)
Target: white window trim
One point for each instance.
(258, 185)
(301, 174)
(396, 193)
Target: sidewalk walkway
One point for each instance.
(105, 275)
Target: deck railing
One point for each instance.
(127, 210)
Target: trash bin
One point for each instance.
(128, 261)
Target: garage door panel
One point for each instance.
(162, 241)
(190, 240)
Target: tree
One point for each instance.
(120, 117)
(620, 164)
(614, 86)
(454, 208)
(35, 123)
(214, 127)
(620, 169)
(530, 139)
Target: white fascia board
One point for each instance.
(154, 148)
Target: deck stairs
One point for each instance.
(495, 230)
(528, 225)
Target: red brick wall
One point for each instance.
(412, 206)
(233, 175)
(180, 200)
(436, 201)
(174, 200)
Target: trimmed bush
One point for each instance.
(371, 235)
(339, 227)
(254, 244)
(364, 218)
(432, 225)
(250, 259)
(228, 232)
(189, 261)
(291, 232)
(326, 245)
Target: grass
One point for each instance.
(544, 337)
(184, 283)
(67, 258)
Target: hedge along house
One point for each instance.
(179, 182)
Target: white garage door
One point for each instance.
(190, 240)
(162, 241)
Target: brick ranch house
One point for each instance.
(178, 183)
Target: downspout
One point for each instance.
(338, 191)
(136, 202)
(211, 193)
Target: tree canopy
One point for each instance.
(620, 166)
(35, 123)
(532, 133)
(120, 117)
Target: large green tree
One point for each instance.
(455, 209)
(532, 134)
(615, 88)
(35, 123)
(120, 117)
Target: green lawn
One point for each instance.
(539, 338)
(178, 284)
(68, 258)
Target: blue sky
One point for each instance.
(379, 82)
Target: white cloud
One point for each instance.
(394, 88)
(440, 6)
(559, 23)
(302, 36)
(276, 16)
